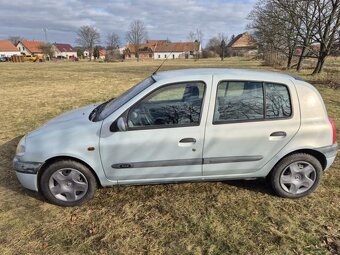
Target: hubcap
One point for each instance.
(298, 177)
(68, 184)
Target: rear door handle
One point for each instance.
(279, 133)
(188, 140)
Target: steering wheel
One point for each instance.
(141, 117)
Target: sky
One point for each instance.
(170, 19)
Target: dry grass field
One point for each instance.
(234, 217)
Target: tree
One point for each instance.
(88, 37)
(47, 50)
(15, 39)
(197, 37)
(112, 41)
(96, 53)
(273, 31)
(112, 44)
(217, 44)
(327, 28)
(284, 25)
(136, 35)
(80, 53)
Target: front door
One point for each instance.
(249, 123)
(164, 136)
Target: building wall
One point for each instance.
(9, 53)
(67, 55)
(173, 55)
(23, 49)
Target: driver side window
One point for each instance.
(169, 106)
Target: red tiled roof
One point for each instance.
(64, 47)
(102, 52)
(149, 45)
(33, 46)
(177, 47)
(244, 40)
(6, 45)
(164, 46)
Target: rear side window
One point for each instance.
(239, 101)
(277, 101)
(248, 100)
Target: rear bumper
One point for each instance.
(330, 153)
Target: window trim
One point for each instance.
(127, 112)
(264, 83)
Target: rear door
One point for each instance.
(248, 123)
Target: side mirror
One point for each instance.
(121, 124)
(118, 125)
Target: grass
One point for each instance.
(234, 217)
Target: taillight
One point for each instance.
(333, 130)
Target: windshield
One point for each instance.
(115, 104)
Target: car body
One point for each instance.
(3, 58)
(187, 125)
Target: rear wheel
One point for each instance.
(296, 176)
(67, 183)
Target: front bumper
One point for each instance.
(27, 173)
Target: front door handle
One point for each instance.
(188, 140)
(279, 133)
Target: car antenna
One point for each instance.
(162, 64)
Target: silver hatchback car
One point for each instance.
(185, 125)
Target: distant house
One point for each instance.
(7, 49)
(145, 50)
(30, 47)
(177, 50)
(102, 54)
(63, 50)
(161, 49)
(242, 45)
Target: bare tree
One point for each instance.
(196, 35)
(273, 31)
(47, 50)
(88, 37)
(217, 44)
(136, 35)
(15, 39)
(327, 28)
(302, 15)
(112, 41)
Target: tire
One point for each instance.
(296, 175)
(67, 183)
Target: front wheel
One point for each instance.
(296, 176)
(67, 183)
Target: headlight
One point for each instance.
(21, 147)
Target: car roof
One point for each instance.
(249, 73)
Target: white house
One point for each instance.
(7, 49)
(63, 50)
(30, 47)
(177, 50)
(162, 49)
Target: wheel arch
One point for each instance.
(52, 160)
(317, 154)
